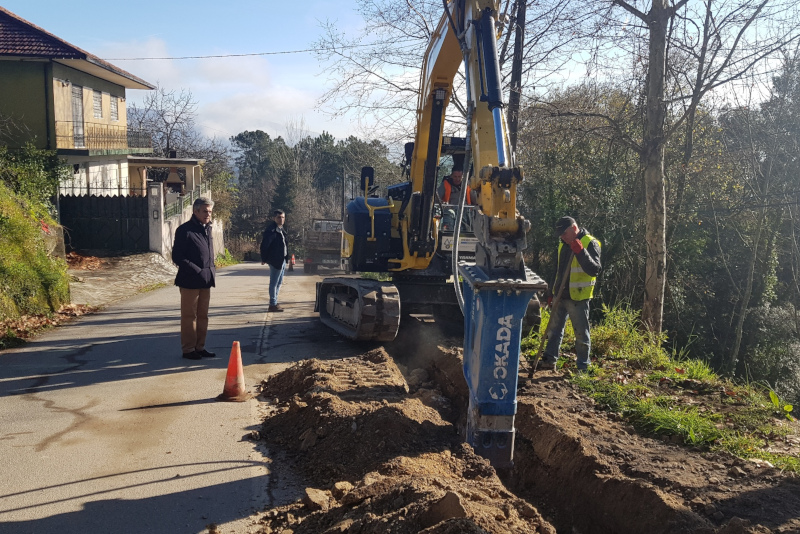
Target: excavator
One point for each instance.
(403, 234)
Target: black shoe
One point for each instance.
(275, 308)
(205, 354)
(194, 355)
(546, 366)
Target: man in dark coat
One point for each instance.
(275, 253)
(193, 253)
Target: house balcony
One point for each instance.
(96, 139)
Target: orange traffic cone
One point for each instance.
(291, 263)
(234, 390)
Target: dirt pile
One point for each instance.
(383, 451)
(381, 456)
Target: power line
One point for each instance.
(283, 52)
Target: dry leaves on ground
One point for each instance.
(85, 263)
(28, 325)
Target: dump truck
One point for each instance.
(322, 243)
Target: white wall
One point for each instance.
(98, 178)
(162, 232)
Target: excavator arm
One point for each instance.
(466, 34)
(497, 287)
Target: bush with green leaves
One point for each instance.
(33, 175)
(772, 353)
(225, 259)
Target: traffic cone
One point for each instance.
(291, 263)
(234, 390)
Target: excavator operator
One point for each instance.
(452, 183)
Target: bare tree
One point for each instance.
(376, 74)
(766, 137)
(169, 118)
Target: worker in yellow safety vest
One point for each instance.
(580, 261)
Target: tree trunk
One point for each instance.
(733, 357)
(515, 92)
(653, 170)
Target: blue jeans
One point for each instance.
(578, 311)
(275, 281)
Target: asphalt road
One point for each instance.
(104, 428)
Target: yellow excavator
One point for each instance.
(401, 233)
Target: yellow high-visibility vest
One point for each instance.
(581, 285)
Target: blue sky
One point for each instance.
(233, 94)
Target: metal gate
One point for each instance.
(105, 223)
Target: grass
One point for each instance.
(31, 281)
(154, 286)
(380, 277)
(225, 259)
(667, 394)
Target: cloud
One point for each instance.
(235, 94)
(271, 109)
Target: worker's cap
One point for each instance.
(458, 162)
(562, 225)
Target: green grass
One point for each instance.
(225, 259)
(381, 277)
(667, 394)
(154, 286)
(31, 282)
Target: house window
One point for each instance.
(78, 138)
(97, 99)
(114, 108)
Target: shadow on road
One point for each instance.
(157, 515)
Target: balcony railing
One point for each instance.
(177, 207)
(101, 137)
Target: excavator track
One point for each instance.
(359, 309)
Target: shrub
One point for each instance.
(773, 352)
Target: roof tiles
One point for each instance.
(20, 38)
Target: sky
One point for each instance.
(234, 94)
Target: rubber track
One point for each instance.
(380, 305)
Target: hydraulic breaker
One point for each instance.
(493, 313)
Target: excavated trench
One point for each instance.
(554, 470)
(380, 438)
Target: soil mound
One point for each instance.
(381, 456)
(384, 453)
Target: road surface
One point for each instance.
(105, 428)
